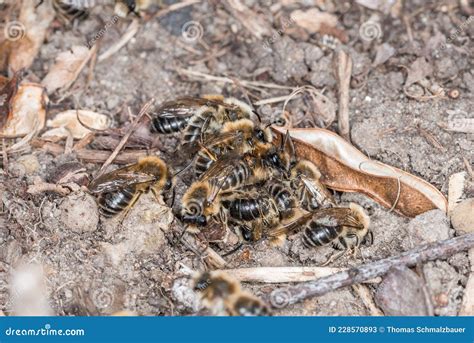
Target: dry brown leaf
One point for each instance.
(255, 24)
(419, 69)
(34, 20)
(67, 67)
(28, 111)
(346, 169)
(313, 19)
(68, 120)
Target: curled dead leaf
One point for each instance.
(8, 89)
(27, 111)
(67, 68)
(346, 169)
(68, 120)
(32, 24)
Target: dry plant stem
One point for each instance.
(125, 137)
(89, 155)
(131, 31)
(176, 7)
(285, 274)
(285, 296)
(368, 300)
(245, 83)
(343, 72)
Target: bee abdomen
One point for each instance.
(244, 209)
(239, 177)
(203, 163)
(166, 125)
(319, 235)
(195, 127)
(284, 199)
(70, 10)
(111, 204)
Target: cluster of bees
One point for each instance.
(245, 180)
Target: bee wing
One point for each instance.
(290, 226)
(119, 179)
(337, 216)
(317, 190)
(184, 107)
(221, 168)
(224, 137)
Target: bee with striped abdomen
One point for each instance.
(118, 190)
(345, 228)
(223, 295)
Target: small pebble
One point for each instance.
(79, 213)
(462, 216)
(431, 226)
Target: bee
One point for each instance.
(305, 181)
(200, 203)
(197, 117)
(284, 198)
(124, 7)
(241, 137)
(251, 213)
(69, 11)
(118, 190)
(234, 171)
(346, 228)
(223, 295)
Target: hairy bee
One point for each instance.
(69, 11)
(305, 181)
(239, 137)
(251, 213)
(119, 190)
(204, 115)
(284, 199)
(346, 228)
(200, 203)
(223, 295)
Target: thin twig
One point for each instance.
(284, 274)
(128, 35)
(125, 137)
(343, 73)
(175, 7)
(250, 84)
(285, 296)
(90, 155)
(368, 300)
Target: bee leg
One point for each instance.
(234, 250)
(130, 206)
(334, 257)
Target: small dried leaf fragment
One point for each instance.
(34, 21)
(67, 68)
(27, 111)
(346, 169)
(419, 69)
(69, 121)
(313, 19)
(255, 24)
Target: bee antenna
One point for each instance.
(257, 115)
(268, 125)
